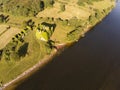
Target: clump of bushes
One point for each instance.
(14, 51)
(30, 24)
(62, 7)
(92, 19)
(1, 51)
(75, 34)
(8, 51)
(98, 14)
(4, 19)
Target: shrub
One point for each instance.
(75, 34)
(28, 24)
(3, 18)
(92, 19)
(98, 14)
(73, 21)
(42, 5)
(62, 7)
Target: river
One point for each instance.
(91, 64)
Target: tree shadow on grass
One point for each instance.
(23, 50)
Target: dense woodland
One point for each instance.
(24, 7)
(31, 7)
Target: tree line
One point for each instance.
(24, 7)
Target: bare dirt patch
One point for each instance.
(7, 36)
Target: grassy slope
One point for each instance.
(83, 15)
(37, 49)
(11, 69)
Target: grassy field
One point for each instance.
(12, 69)
(84, 12)
(71, 10)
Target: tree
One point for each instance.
(3, 18)
(42, 5)
(62, 7)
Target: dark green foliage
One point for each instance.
(7, 55)
(98, 14)
(51, 44)
(3, 18)
(8, 50)
(50, 19)
(59, 20)
(18, 38)
(51, 28)
(42, 5)
(1, 51)
(30, 23)
(24, 7)
(92, 19)
(62, 7)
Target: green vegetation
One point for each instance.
(24, 8)
(3, 18)
(62, 6)
(90, 2)
(44, 31)
(75, 34)
(31, 29)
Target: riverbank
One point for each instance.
(12, 84)
(30, 71)
(48, 58)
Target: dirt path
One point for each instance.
(7, 36)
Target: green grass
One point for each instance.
(36, 51)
